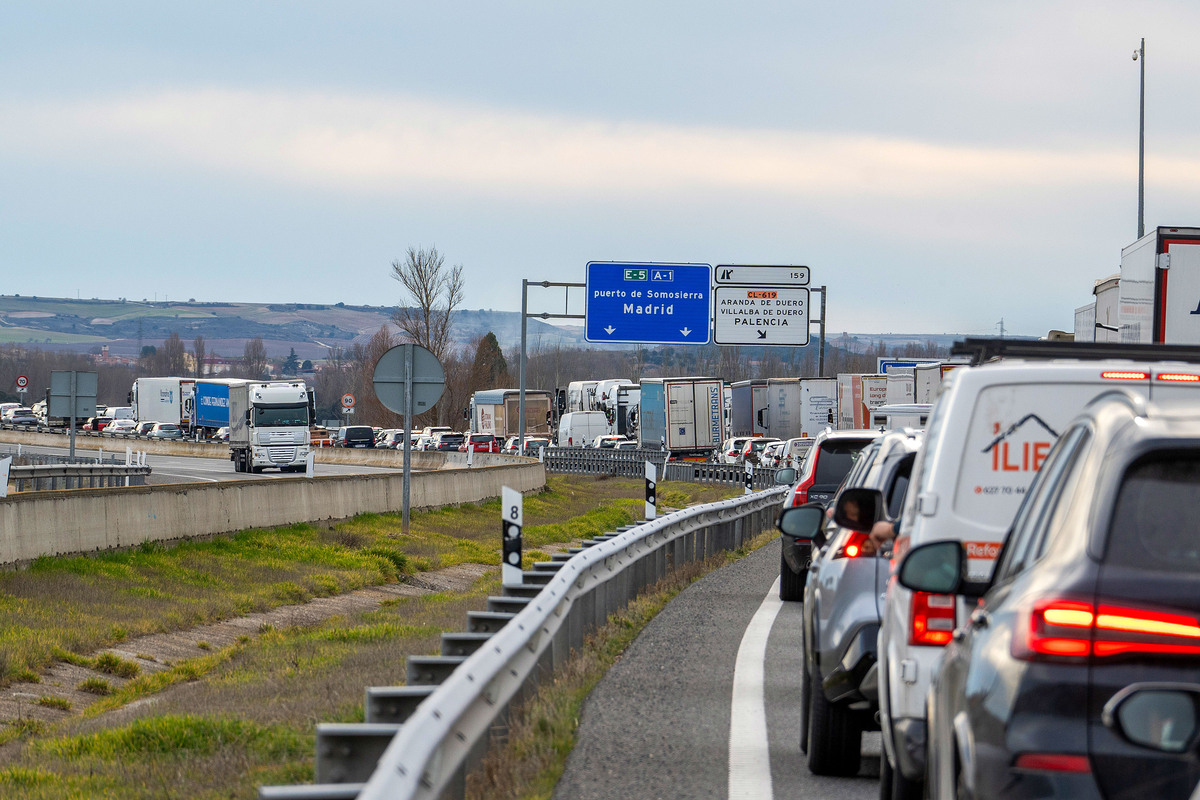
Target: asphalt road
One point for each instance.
(189, 469)
(661, 723)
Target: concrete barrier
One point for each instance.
(85, 520)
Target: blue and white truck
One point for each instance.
(684, 416)
(212, 404)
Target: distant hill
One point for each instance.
(311, 329)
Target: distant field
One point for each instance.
(32, 336)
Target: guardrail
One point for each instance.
(420, 740)
(23, 457)
(76, 476)
(631, 463)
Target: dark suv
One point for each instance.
(362, 436)
(825, 467)
(1097, 587)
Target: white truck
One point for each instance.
(498, 412)
(684, 416)
(619, 400)
(268, 426)
(164, 400)
(858, 395)
(1160, 288)
(800, 407)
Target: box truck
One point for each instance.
(164, 400)
(858, 394)
(268, 426)
(749, 408)
(1159, 288)
(498, 412)
(683, 416)
(212, 404)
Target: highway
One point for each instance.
(189, 469)
(663, 721)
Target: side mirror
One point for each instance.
(803, 522)
(1159, 716)
(936, 567)
(858, 509)
(785, 476)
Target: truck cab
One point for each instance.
(268, 426)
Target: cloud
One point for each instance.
(399, 144)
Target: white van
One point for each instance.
(578, 428)
(119, 412)
(989, 432)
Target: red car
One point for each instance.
(481, 443)
(96, 423)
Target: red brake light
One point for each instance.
(853, 548)
(1180, 377)
(1059, 628)
(932, 619)
(1053, 762)
(1115, 375)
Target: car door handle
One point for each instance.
(980, 618)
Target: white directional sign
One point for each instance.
(757, 275)
(764, 315)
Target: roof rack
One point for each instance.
(979, 350)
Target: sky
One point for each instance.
(939, 166)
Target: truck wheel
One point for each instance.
(791, 585)
(834, 735)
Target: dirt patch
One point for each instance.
(58, 694)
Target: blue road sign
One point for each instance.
(648, 303)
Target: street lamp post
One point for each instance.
(1140, 55)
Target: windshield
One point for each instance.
(278, 416)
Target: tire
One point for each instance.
(834, 735)
(894, 786)
(791, 585)
(805, 702)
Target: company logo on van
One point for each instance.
(714, 406)
(984, 550)
(1025, 456)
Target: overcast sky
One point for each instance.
(940, 166)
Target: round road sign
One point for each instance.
(414, 365)
(22, 381)
(347, 401)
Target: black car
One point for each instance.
(448, 441)
(1097, 587)
(360, 436)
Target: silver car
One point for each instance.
(843, 607)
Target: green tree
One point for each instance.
(489, 368)
(291, 365)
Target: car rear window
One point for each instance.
(481, 438)
(1154, 520)
(835, 461)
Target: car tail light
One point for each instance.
(1072, 629)
(1117, 375)
(1178, 377)
(932, 619)
(1053, 762)
(853, 548)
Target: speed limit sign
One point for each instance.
(22, 381)
(347, 401)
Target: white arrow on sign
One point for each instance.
(685, 331)
(609, 330)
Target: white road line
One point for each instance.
(749, 750)
(185, 475)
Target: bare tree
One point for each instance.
(254, 359)
(199, 352)
(432, 294)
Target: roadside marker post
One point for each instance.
(651, 490)
(512, 520)
(749, 478)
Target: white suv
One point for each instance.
(990, 430)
